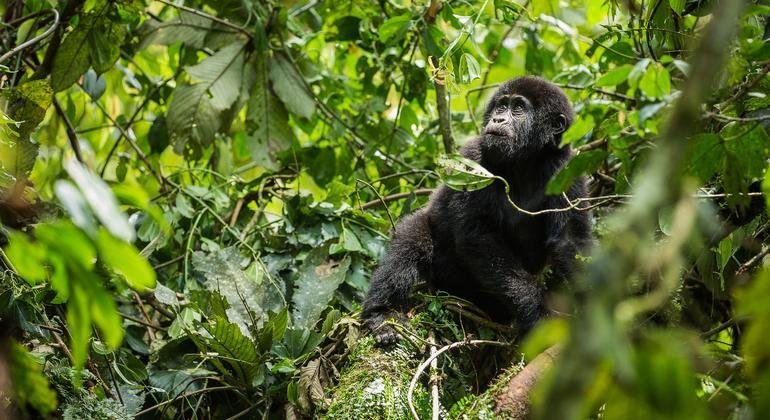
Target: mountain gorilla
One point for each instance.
(474, 244)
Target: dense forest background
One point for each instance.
(194, 195)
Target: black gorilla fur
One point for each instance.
(474, 244)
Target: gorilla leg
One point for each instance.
(408, 259)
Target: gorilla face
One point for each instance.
(510, 116)
(526, 113)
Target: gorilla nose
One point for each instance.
(498, 120)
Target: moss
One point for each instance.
(483, 406)
(375, 385)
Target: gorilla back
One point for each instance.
(474, 244)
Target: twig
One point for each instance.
(722, 117)
(434, 376)
(745, 87)
(185, 395)
(425, 364)
(456, 308)
(395, 197)
(718, 329)
(380, 198)
(598, 90)
(148, 321)
(208, 16)
(596, 144)
(131, 141)
(70, 130)
(36, 39)
(754, 261)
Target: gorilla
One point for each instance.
(474, 244)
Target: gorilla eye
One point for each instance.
(518, 102)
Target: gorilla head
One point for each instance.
(526, 113)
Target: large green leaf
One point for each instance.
(238, 280)
(28, 105)
(195, 112)
(237, 350)
(267, 120)
(72, 58)
(395, 28)
(122, 257)
(189, 29)
(462, 174)
(104, 41)
(221, 74)
(192, 117)
(102, 201)
(319, 277)
(289, 85)
(580, 164)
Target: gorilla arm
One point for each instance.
(408, 259)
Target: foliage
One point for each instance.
(194, 198)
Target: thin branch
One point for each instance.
(209, 17)
(425, 364)
(381, 200)
(70, 130)
(754, 261)
(394, 197)
(36, 39)
(185, 395)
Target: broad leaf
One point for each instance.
(319, 277)
(462, 174)
(101, 200)
(122, 257)
(290, 86)
(581, 164)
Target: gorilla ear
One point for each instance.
(559, 123)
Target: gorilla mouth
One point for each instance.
(498, 130)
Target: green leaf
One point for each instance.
(469, 68)
(319, 277)
(124, 259)
(28, 105)
(221, 74)
(72, 58)
(462, 174)
(238, 351)
(104, 41)
(79, 324)
(27, 257)
(75, 204)
(705, 156)
(100, 198)
(30, 386)
(267, 120)
(189, 29)
(656, 82)
(580, 164)
(395, 28)
(615, 76)
(192, 117)
(290, 86)
(243, 285)
(677, 6)
(69, 241)
(104, 313)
